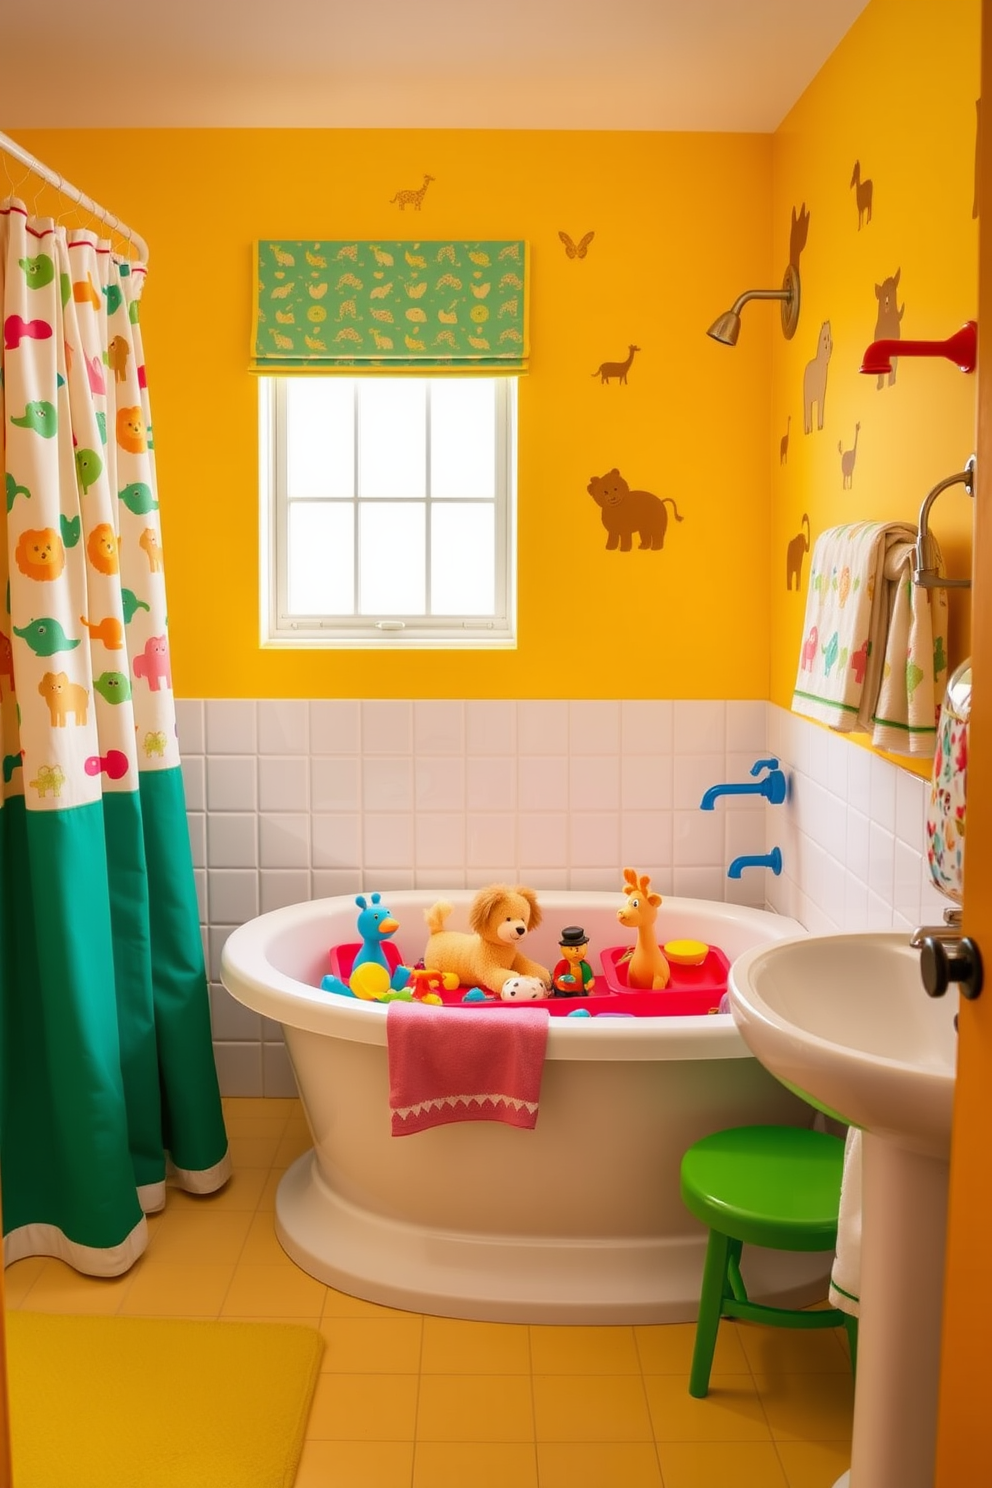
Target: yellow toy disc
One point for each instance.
(686, 952)
(369, 981)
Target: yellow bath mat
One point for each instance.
(111, 1402)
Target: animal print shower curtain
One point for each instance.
(107, 1080)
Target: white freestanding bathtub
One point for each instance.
(576, 1221)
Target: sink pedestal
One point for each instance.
(902, 1283)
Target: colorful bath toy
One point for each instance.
(686, 952)
(573, 976)
(375, 924)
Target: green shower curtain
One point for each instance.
(107, 1080)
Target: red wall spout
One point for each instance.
(961, 349)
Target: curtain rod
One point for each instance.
(86, 202)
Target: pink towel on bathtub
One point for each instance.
(463, 1065)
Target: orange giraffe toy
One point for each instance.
(647, 967)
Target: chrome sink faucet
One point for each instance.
(950, 930)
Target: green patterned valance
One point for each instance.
(389, 307)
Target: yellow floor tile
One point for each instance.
(371, 1345)
(352, 1407)
(273, 1291)
(255, 1149)
(19, 1278)
(455, 1346)
(258, 1108)
(351, 1464)
(200, 1236)
(267, 1196)
(294, 1141)
(598, 1465)
(186, 1290)
(481, 1464)
(807, 1407)
(667, 1349)
(475, 1408)
(720, 1465)
(58, 1288)
(793, 1351)
(342, 1304)
(593, 1408)
(731, 1412)
(814, 1464)
(584, 1351)
(261, 1247)
(242, 1191)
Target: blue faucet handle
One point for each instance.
(765, 764)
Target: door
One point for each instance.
(964, 1444)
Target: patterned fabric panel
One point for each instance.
(389, 307)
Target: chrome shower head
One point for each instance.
(726, 328)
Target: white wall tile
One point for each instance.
(859, 779)
(879, 915)
(331, 883)
(646, 782)
(439, 783)
(335, 726)
(698, 883)
(594, 782)
(278, 1080)
(883, 793)
(336, 842)
(912, 793)
(490, 727)
(216, 940)
(440, 838)
(440, 879)
(388, 840)
(645, 837)
(230, 1019)
(387, 784)
(232, 840)
(377, 874)
(439, 726)
(881, 862)
(232, 895)
(542, 784)
(591, 880)
(646, 727)
(197, 824)
(194, 782)
(283, 726)
(282, 886)
(542, 839)
(491, 837)
(906, 891)
(231, 783)
(239, 1069)
(594, 839)
(200, 884)
(594, 728)
(387, 726)
(283, 783)
(542, 727)
(491, 783)
(231, 726)
(699, 728)
(856, 851)
(284, 840)
(698, 839)
(190, 725)
(335, 783)
(747, 728)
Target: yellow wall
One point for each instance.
(681, 226)
(899, 95)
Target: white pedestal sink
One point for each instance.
(845, 1022)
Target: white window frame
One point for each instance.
(281, 629)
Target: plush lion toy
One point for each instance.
(500, 917)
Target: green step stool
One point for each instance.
(777, 1186)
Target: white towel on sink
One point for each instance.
(845, 1277)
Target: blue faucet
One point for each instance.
(772, 860)
(772, 787)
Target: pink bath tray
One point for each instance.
(693, 990)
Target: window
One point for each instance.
(388, 510)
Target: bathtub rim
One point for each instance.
(296, 1004)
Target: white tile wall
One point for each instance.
(295, 800)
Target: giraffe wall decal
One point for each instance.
(618, 370)
(411, 197)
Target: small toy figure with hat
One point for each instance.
(572, 976)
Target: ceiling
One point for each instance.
(525, 64)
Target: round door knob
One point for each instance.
(945, 961)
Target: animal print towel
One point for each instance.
(874, 649)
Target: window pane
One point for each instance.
(463, 559)
(392, 558)
(321, 559)
(392, 438)
(463, 438)
(320, 437)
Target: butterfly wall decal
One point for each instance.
(579, 249)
